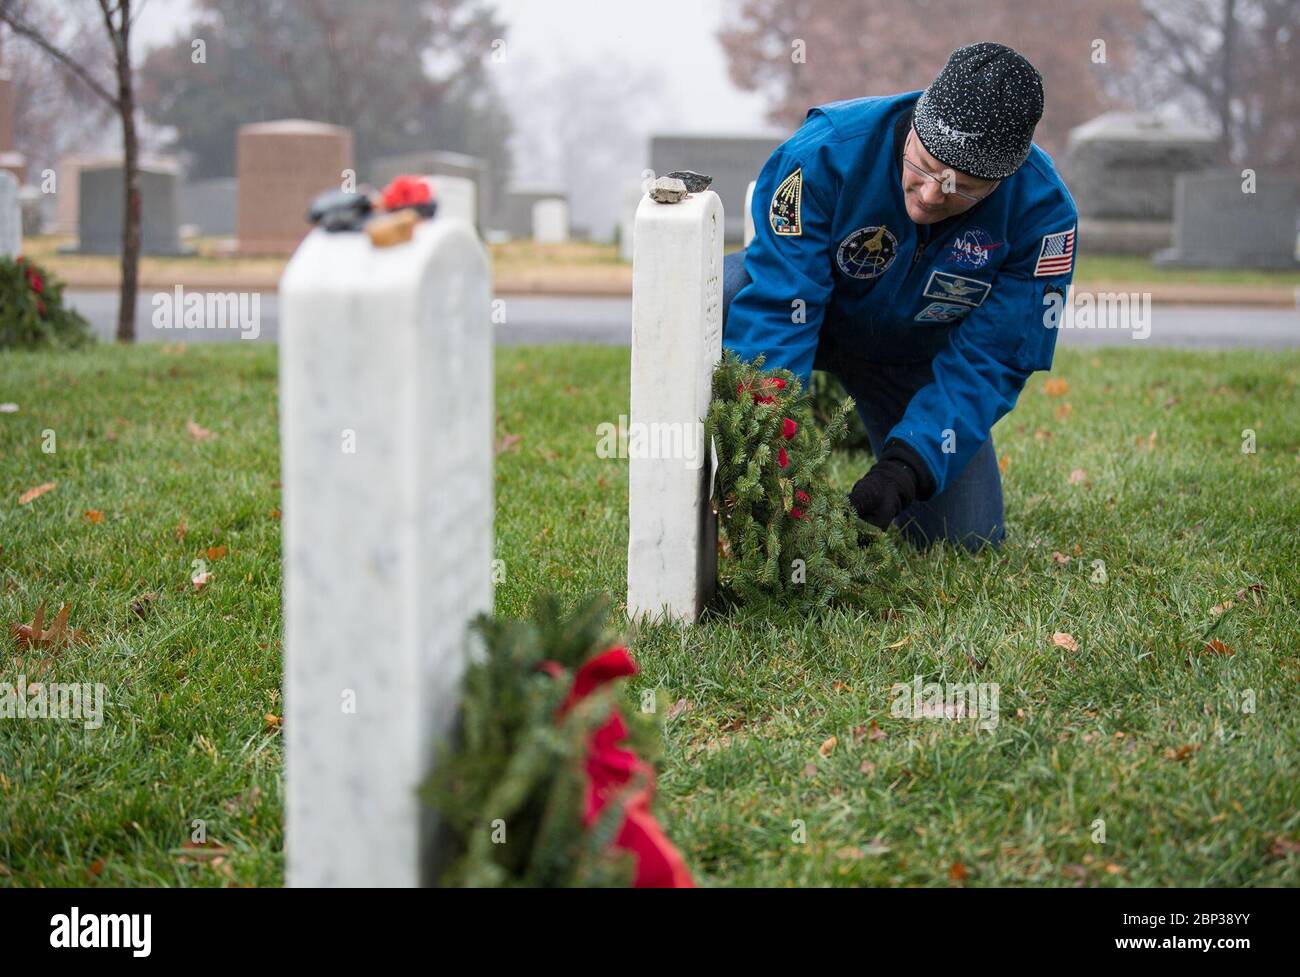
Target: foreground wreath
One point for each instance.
(552, 781)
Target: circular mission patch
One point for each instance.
(867, 252)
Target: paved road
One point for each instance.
(608, 321)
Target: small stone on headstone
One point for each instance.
(668, 190)
(339, 210)
(695, 182)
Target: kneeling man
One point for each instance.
(918, 246)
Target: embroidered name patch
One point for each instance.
(867, 252)
(783, 212)
(956, 288)
(941, 312)
(1056, 254)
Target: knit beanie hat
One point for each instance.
(978, 115)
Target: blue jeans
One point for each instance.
(969, 511)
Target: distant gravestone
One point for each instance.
(551, 221)
(211, 205)
(1218, 225)
(633, 191)
(11, 217)
(282, 166)
(1120, 169)
(386, 411)
(100, 204)
(514, 215)
(457, 197)
(676, 343)
(10, 160)
(384, 169)
(732, 161)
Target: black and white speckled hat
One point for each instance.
(979, 115)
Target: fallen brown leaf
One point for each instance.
(216, 553)
(509, 442)
(201, 852)
(180, 531)
(143, 604)
(1216, 647)
(273, 722)
(1184, 752)
(1282, 847)
(827, 747)
(1063, 411)
(867, 767)
(58, 635)
(197, 432)
(1078, 476)
(1056, 387)
(93, 516)
(957, 871)
(243, 803)
(677, 708)
(810, 769)
(36, 493)
(1063, 639)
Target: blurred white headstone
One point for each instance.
(386, 414)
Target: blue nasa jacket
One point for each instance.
(966, 294)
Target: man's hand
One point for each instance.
(884, 492)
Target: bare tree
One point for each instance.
(120, 96)
(802, 53)
(1231, 61)
(53, 112)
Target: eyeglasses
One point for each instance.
(941, 179)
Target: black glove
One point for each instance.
(884, 492)
(894, 483)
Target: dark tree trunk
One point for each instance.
(1225, 79)
(131, 181)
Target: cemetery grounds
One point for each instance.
(1155, 745)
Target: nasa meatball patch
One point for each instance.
(783, 212)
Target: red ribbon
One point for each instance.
(611, 768)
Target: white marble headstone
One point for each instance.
(551, 221)
(11, 217)
(386, 416)
(676, 343)
(633, 191)
(457, 197)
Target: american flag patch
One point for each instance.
(1056, 254)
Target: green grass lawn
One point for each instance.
(1139, 727)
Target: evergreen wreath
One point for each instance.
(785, 531)
(551, 779)
(32, 313)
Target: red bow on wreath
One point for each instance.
(611, 768)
